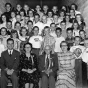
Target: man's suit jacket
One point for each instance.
(54, 65)
(10, 62)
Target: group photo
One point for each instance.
(43, 47)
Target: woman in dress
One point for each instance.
(66, 73)
(28, 67)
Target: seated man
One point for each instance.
(9, 64)
(48, 65)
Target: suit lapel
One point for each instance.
(52, 59)
(7, 54)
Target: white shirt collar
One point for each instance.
(10, 50)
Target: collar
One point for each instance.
(46, 57)
(10, 51)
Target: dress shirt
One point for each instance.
(10, 52)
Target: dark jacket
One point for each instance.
(10, 62)
(54, 65)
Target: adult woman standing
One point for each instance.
(66, 72)
(29, 74)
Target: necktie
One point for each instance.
(10, 53)
(47, 62)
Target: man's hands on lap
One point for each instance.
(10, 72)
(47, 71)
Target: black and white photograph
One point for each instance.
(43, 43)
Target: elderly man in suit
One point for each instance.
(48, 65)
(9, 65)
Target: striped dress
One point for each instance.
(65, 77)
